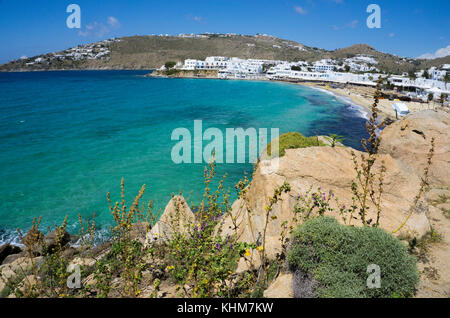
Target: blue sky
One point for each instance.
(408, 27)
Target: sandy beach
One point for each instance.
(363, 96)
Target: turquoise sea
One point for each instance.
(67, 138)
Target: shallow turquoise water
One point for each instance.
(67, 138)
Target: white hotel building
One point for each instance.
(228, 67)
(210, 63)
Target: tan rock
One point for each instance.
(28, 284)
(2, 284)
(281, 287)
(89, 281)
(177, 217)
(85, 262)
(330, 169)
(18, 266)
(139, 231)
(408, 141)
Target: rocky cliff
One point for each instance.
(404, 149)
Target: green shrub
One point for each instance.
(168, 65)
(293, 140)
(338, 256)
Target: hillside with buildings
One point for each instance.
(151, 51)
(260, 56)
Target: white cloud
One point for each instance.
(391, 35)
(353, 24)
(300, 10)
(99, 30)
(113, 22)
(94, 29)
(350, 25)
(198, 19)
(439, 53)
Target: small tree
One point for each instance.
(430, 97)
(169, 65)
(426, 75)
(335, 139)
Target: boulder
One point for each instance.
(281, 287)
(409, 139)
(51, 241)
(33, 241)
(177, 217)
(7, 250)
(331, 169)
(139, 231)
(84, 262)
(11, 258)
(97, 251)
(17, 268)
(69, 252)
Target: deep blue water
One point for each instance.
(67, 138)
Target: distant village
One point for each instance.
(93, 51)
(358, 70)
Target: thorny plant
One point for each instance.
(127, 255)
(87, 231)
(363, 187)
(201, 259)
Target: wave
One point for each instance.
(361, 111)
(9, 236)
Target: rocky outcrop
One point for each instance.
(16, 268)
(52, 241)
(408, 142)
(7, 250)
(331, 168)
(281, 287)
(184, 73)
(177, 217)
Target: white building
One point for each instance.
(436, 74)
(323, 67)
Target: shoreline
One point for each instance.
(363, 97)
(360, 97)
(363, 110)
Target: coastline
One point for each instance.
(358, 97)
(363, 97)
(362, 109)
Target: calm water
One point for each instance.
(67, 138)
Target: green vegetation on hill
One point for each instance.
(338, 256)
(293, 140)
